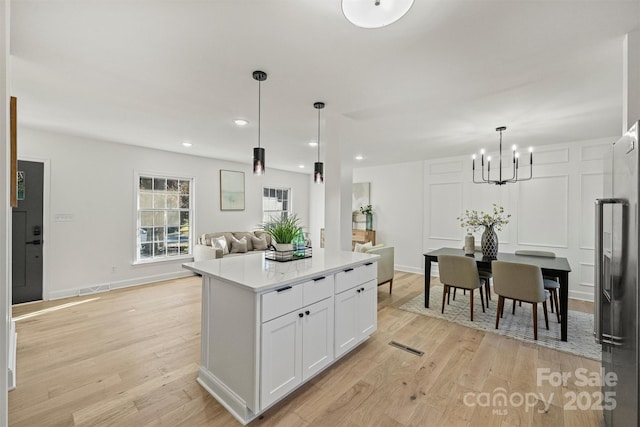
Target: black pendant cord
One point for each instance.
(318, 135)
(259, 105)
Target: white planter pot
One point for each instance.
(283, 247)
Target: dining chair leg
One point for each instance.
(487, 291)
(471, 304)
(454, 295)
(554, 295)
(546, 314)
(513, 310)
(445, 292)
(535, 321)
(499, 310)
(390, 286)
(482, 298)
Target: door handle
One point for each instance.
(33, 242)
(599, 271)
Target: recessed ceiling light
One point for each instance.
(359, 157)
(301, 166)
(187, 144)
(313, 143)
(241, 122)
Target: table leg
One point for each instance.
(564, 303)
(427, 280)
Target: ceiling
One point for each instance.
(436, 83)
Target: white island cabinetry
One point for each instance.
(268, 327)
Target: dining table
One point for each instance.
(554, 267)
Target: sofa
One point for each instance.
(208, 246)
(385, 262)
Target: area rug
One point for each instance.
(519, 326)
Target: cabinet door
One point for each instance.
(346, 330)
(317, 339)
(281, 366)
(367, 309)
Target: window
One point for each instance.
(275, 202)
(164, 217)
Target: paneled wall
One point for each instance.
(416, 206)
(554, 211)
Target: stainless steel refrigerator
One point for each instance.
(616, 281)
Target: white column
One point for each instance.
(338, 182)
(630, 79)
(5, 212)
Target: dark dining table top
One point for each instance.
(558, 263)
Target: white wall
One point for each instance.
(397, 199)
(416, 206)
(5, 266)
(94, 181)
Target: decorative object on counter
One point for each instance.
(473, 220)
(283, 230)
(258, 152)
(318, 167)
(469, 244)
(284, 256)
(367, 211)
(515, 162)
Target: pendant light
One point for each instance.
(318, 167)
(515, 160)
(258, 152)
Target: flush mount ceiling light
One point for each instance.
(186, 144)
(514, 159)
(258, 152)
(318, 167)
(313, 143)
(241, 122)
(375, 13)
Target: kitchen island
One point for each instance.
(268, 326)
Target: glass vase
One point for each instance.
(369, 225)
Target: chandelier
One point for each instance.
(515, 157)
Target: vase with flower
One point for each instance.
(491, 221)
(367, 211)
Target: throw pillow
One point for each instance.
(238, 246)
(362, 247)
(259, 243)
(220, 243)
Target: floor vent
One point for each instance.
(406, 348)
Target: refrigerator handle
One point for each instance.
(599, 270)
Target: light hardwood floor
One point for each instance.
(130, 358)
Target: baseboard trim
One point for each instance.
(104, 287)
(408, 269)
(13, 347)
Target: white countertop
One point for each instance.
(258, 274)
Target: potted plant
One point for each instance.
(367, 211)
(283, 230)
(474, 220)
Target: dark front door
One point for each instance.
(27, 234)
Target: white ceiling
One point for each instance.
(436, 83)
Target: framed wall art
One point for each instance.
(231, 190)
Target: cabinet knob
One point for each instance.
(358, 290)
(361, 289)
(307, 312)
(300, 314)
